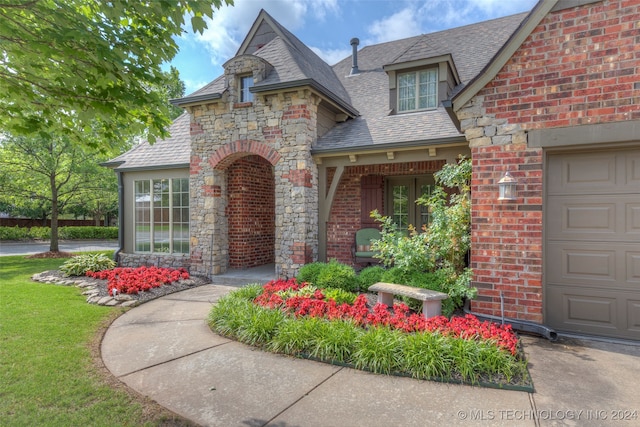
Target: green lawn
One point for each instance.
(48, 375)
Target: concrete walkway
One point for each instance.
(165, 350)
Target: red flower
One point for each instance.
(134, 280)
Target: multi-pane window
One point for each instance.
(418, 90)
(162, 215)
(246, 82)
(402, 193)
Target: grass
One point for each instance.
(50, 372)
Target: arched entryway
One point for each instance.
(251, 212)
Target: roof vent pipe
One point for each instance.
(354, 56)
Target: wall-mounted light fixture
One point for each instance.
(507, 186)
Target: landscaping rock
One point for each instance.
(96, 290)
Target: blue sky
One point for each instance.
(326, 26)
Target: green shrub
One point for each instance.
(260, 326)
(337, 275)
(335, 341)
(379, 350)
(41, 233)
(14, 233)
(424, 356)
(370, 275)
(340, 296)
(70, 233)
(65, 233)
(249, 292)
(79, 265)
(309, 272)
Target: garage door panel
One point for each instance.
(573, 308)
(633, 315)
(581, 173)
(633, 268)
(633, 218)
(612, 218)
(592, 242)
(633, 169)
(613, 314)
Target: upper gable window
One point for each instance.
(418, 90)
(246, 82)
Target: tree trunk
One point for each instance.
(53, 245)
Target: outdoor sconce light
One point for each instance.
(507, 186)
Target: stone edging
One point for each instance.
(90, 287)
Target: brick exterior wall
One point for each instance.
(579, 66)
(251, 211)
(345, 216)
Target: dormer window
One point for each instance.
(246, 82)
(418, 90)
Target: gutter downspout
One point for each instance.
(120, 216)
(516, 324)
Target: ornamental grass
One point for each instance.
(297, 319)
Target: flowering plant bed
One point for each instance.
(126, 280)
(298, 319)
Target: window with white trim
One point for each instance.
(162, 215)
(418, 90)
(246, 82)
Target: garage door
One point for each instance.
(592, 250)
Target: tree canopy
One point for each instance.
(78, 67)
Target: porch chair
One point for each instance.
(362, 250)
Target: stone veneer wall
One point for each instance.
(157, 260)
(579, 66)
(277, 127)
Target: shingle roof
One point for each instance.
(366, 93)
(171, 152)
(471, 47)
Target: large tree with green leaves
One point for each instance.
(70, 67)
(47, 170)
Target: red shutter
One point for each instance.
(371, 197)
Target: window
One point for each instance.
(246, 82)
(402, 193)
(417, 90)
(162, 215)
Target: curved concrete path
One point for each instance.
(165, 350)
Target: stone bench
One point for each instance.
(431, 300)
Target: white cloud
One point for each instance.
(331, 56)
(400, 25)
(191, 85)
(230, 25)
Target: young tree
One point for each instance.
(51, 172)
(72, 66)
(174, 87)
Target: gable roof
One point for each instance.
(171, 152)
(294, 65)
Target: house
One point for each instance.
(280, 160)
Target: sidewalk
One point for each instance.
(165, 350)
